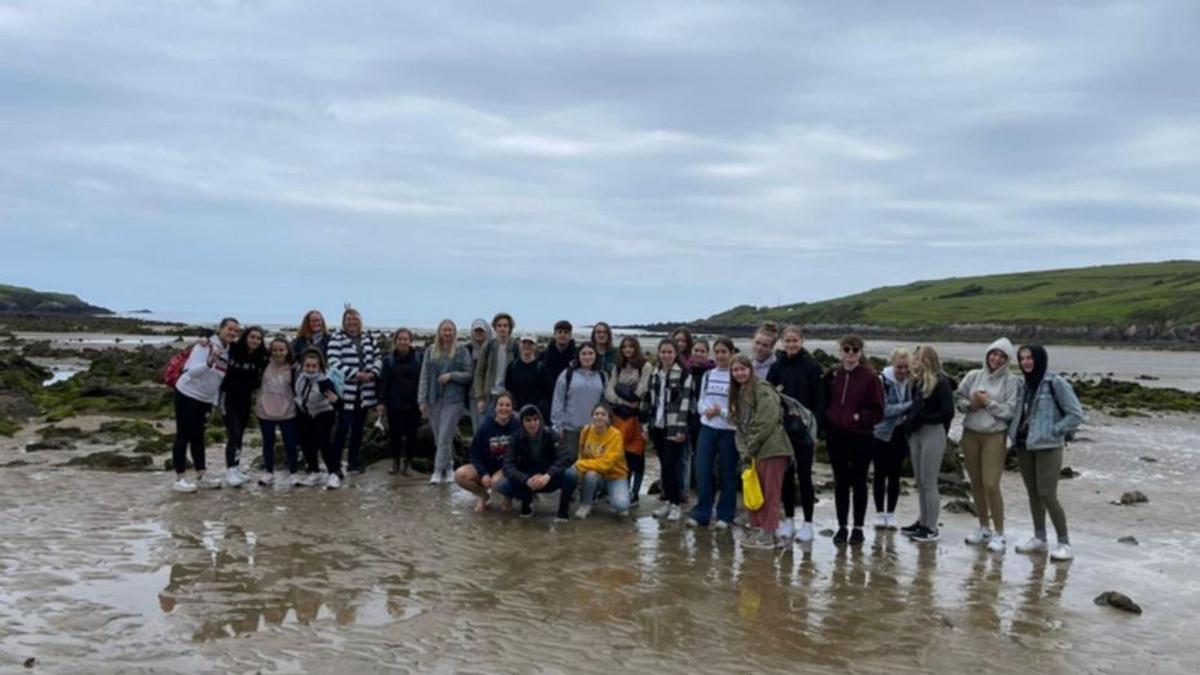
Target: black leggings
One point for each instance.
(850, 456)
(669, 455)
(191, 417)
(888, 458)
(237, 415)
(350, 423)
(402, 430)
(637, 470)
(313, 435)
(802, 469)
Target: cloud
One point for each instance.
(629, 161)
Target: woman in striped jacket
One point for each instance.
(667, 403)
(355, 355)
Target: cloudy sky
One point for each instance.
(623, 161)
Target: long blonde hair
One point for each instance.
(741, 396)
(927, 366)
(444, 351)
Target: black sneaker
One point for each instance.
(856, 537)
(911, 528)
(526, 510)
(925, 534)
(840, 538)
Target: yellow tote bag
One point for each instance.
(751, 488)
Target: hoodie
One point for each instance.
(310, 393)
(1003, 389)
(850, 393)
(572, 410)
(603, 454)
(897, 401)
(201, 379)
(761, 368)
(490, 445)
(531, 455)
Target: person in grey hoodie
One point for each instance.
(988, 396)
(441, 392)
(481, 335)
(578, 389)
(891, 444)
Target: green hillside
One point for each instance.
(1114, 295)
(17, 299)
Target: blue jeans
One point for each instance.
(287, 429)
(565, 481)
(618, 490)
(718, 445)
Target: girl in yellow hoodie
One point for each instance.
(602, 458)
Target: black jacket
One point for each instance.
(527, 383)
(800, 377)
(302, 344)
(937, 408)
(244, 376)
(399, 379)
(555, 362)
(522, 461)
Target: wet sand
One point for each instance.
(115, 573)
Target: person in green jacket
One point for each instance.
(755, 409)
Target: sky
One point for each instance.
(621, 161)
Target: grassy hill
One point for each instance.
(17, 299)
(1114, 296)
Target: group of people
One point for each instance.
(579, 418)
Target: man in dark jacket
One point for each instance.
(536, 463)
(398, 383)
(558, 355)
(526, 377)
(798, 375)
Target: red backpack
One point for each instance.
(174, 368)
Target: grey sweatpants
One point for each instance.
(926, 447)
(443, 421)
(1040, 470)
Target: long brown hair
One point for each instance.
(741, 396)
(639, 358)
(304, 331)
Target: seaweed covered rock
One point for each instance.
(111, 460)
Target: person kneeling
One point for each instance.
(488, 450)
(535, 463)
(601, 458)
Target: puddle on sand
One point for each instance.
(118, 573)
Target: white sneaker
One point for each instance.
(981, 535)
(209, 483)
(805, 533)
(583, 511)
(1062, 552)
(891, 521)
(787, 529)
(435, 478)
(1034, 545)
(662, 511)
(295, 480)
(183, 485)
(722, 525)
(267, 479)
(692, 522)
(233, 477)
(675, 514)
(313, 479)
(334, 482)
(998, 544)
(881, 521)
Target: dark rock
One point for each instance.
(110, 460)
(1119, 601)
(15, 463)
(169, 464)
(960, 506)
(826, 532)
(1133, 497)
(1132, 541)
(1068, 472)
(827, 485)
(53, 444)
(1147, 458)
(30, 662)
(655, 487)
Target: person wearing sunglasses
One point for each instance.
(854, 406)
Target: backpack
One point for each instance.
(174, 368)
(338, 379)
(797, 419)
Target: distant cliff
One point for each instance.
(19, 300)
